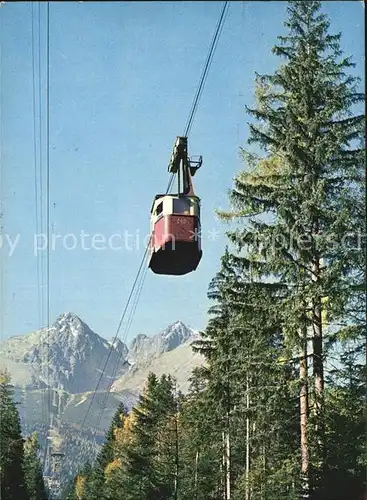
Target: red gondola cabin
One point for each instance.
(175, 246)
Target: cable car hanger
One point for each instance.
(183, 166)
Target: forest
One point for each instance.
(20, 466)
(278, 411)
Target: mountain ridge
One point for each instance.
(77, 356)
(71, 356)
(68, 355)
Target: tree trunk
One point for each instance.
(196, 475)
(263, 485)
(303, 404)
(318, 373)
(247, 493)
(177, 463)
(223, 467)
(318, 366)
(228, 462)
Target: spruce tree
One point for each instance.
(140, 455)
(95, 479)
(11, 453)
(200, 441)
(32, 469)
(150, 461)
(106, 454)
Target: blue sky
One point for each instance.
(122, 79)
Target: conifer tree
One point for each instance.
(106, 455)
(140, 456)
(32, 469)
(150, 460)
(200, 441)
(95, 478)
(252, 389)
(11, 451)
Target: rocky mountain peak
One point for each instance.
(69, 324)
(68, 354)
(137, 341)
(179, 331)
(144, 347)
(120, 347)
(69, 318)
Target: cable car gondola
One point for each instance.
(175, 246)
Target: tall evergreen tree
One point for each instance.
(11, 452)
(253, 390)
(149, 461)
(106, 455)
(94, 485)
(140, 456)
(32, 469)
(201, 446)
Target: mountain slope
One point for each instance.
(178, 362)
(143, 348)
(68, 355)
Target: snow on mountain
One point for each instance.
(68, 355)
(168, 352)
(144, 347)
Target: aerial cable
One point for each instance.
(1, 184)
(124, 338)
(117, 334)
(41, 162)
(40, 225)
(204, 75)
(35, 164)
(48, 232)
(47, 133)
(48, 163)
(127, 327)
(43, 407)
(131, 317)
(41, 199)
